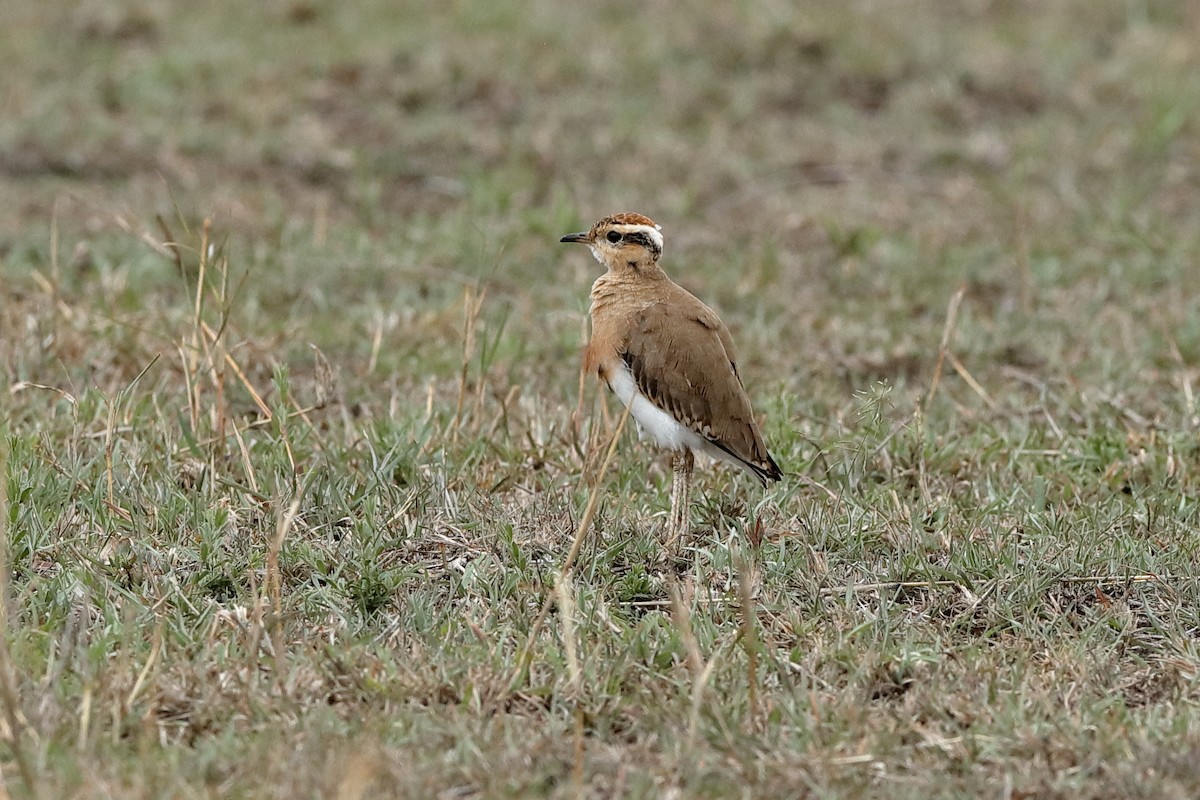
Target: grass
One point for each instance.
(292, 443)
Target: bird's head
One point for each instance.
(620, 241)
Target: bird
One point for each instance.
(670, 360)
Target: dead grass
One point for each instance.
(296, 448)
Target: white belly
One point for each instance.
(655, 424)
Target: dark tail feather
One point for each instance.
(765, 473)
(771, 472)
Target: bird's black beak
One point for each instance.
(575, 237)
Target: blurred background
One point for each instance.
(826, 174)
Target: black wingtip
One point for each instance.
(767, 474)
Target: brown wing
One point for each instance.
(680, 359)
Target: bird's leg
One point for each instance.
(682, 463)
(673, 516)
(685, 511)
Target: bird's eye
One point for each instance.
(613, 237)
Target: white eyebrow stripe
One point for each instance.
(653, 232)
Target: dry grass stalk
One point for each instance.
(110, 443)
(110, 428)
(197, 341)
(85, 716)
(204, 354)
(258, 423)
(144, 673)
(521, 670)
(1185, 374)
(698, 685)
(566, 616)
(874, 587)
(749, 632)
(273, 584)
(700, 670)
(947, 336)
(472, 305)
(1163, 580)
(683, 623)
(8, 691)
(577, 416)
(213, 337)
(969, 379)
(577, 770)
